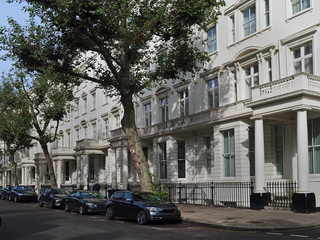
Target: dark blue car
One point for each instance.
(143, 207)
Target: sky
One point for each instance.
(13, 10)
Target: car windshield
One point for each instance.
(92, 195)
(60, 191)
(147, 197)
(24, 188)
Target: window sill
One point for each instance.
(298, 14)
(250, 36)
(213, 53)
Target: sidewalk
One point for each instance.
(242, 219)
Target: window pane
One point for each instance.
(310, 157)
(181, 169)
(308, 49)
(296, 6)
(226, 167)
(305, 4)
(316, 160)
(316, 131)
(308, 65)
(297, 53)
(297, 67)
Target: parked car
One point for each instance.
(143, 207)
(85, 202)
(23, 194)
(1, 191)
(6, 192)
(53, 197)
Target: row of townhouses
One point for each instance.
(251, 116)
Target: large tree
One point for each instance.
(14, 125)
(112, 42)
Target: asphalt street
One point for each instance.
(29, 221)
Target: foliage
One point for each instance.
(159, 189)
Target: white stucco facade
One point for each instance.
(252, 115)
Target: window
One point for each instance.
(184, 103)
(94, 100)
(162, 153)
(228, 153)
(91, 168)
(303, 59)
(266, 13)
(251, 78)
(94, 131)
(67, 167)
(85, 129)
(106, 97)
(212, 40)
(85, 105)
(107, 127)
(164, 116)
(181, 159)
(117, 118)
(269, 70)
(314, 145)
(278, 148)
(147, 114)
(77, 108)
(69, 139)
(251, 151)
(207, 141)
(78, 135)
(233, 29)
(213, 93)
(249, 21)
(299, 5)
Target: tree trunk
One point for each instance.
(134, 144)
(14, 172)
(50, 165)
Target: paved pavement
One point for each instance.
(247, 219)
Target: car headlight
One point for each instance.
(57, 199)
(154, 209)
(91, 204)
(20, 194)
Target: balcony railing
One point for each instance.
(297, 82)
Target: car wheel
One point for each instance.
(51, 204)
(82, 211)
(2, 197)
(67, 208)
(110, 213)
(142, 217)
(16, 199)
(40, 203)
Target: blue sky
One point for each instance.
(13, 10)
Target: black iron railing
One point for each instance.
(281, 193)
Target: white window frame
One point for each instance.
(302, 57)
(164, 109)
(162, 156)
(228, 154)
(94, 100)
(213, 92)
(184, 103)
(300, 3)
(312, 146)
(212, 41)
(250, 80)
(250, 21)
(148, 114)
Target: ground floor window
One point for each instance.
(228, 153)
(207, 141)
(181, 159)
(67, 167)
(91, 168)
(162, 154)
(251, 151)
(314, 145)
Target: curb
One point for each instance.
(244, 229)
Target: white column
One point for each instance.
(113, 168)
(59, 172)
(27, 175)
(302, 151)
(79, 167)
(23, 175)
(259, 156)
(85, 167)
(125, 167)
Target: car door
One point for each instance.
(127, 207)
(116, 201)
(45, 196)
(72, 200)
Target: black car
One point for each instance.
(54, 197)
(85, 202)
(1, 191)
(23, 194)
(143, 207)
(6, 193)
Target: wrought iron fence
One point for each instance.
(281, 193)
(234, 194)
